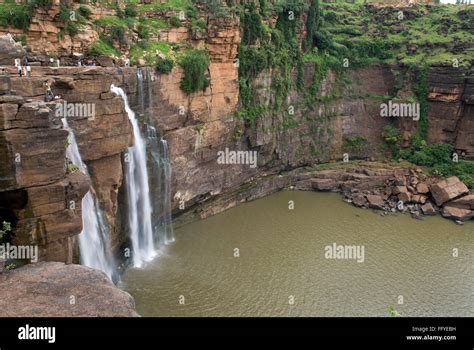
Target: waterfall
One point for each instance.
(167, 192)
(160, 177)
(94, 241)
(139, 206)
(140, 92)
(149, 79)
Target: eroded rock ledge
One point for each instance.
(53, 289)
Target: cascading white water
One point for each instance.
(140, 92)
(94, 239)
(160, 186)
(168, 226)
(136, 177)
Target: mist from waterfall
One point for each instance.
(94, 240)
(137, 182)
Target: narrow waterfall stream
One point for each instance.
(159, 169)
(141, 91)
(94, 241)
(138, 192)
(160, 186)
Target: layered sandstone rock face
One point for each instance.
(44, 36)
(198, 125)
(37, 194)
(52, 289)
(9, 50)
(102, 138)
(451, 109)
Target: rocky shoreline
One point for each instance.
(386, 187)
(399, 189)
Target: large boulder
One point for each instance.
(53, 289)
(9, 50)
(448, 189)
(324, 184)
(465, 202)
(457, 213)
(422, 188)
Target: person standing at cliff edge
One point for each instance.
(49, 96)
(26, 67)
(18, 67)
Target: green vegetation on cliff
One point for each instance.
(438, 158)
(195, 64)
(19, 15)
(412, 36)
(5, 231)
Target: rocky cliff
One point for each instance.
(39, 197)
(304, 132)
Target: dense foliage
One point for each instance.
(439, 159)
(164, 65)
(195, 65)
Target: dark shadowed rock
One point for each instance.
(428, 209)
(466, 202)
(359, 200)
(324, 184)
(46, 289)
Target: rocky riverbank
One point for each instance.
(399, 189)
(387, 187)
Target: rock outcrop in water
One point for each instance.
(52, 289)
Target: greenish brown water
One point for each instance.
(282, 254)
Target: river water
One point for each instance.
(281, 269)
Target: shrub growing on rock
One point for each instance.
(195, 65)
(175, 22)
(164, 65)
(130, 10)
